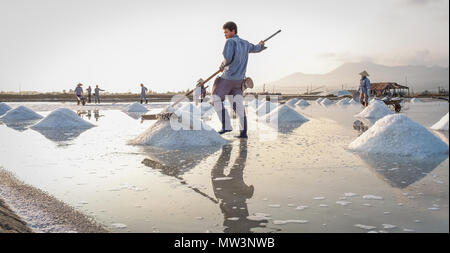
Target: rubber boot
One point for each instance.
(224, 130)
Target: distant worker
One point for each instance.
(89, 91)
(79, 93)
(97, 94)
(197, 94)
(203, 93)
(364, 88)
(143, 93)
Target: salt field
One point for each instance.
(306, 179)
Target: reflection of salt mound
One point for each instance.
(20, 113)
(62, 118)
(408, 170)
(175, 134)
(326, 102)
(4, 108)
(302, 102)
(375, 109)
(136, 107)
(175, 162)
(266, 107)
(319, 100)
(442, 124)
(415, 100)
(398, 135)
(344, 101)
(286, 115)
(292, 101)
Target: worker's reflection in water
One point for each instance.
(233, 193)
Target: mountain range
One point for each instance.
(418, 78)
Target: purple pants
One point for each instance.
(221, 88)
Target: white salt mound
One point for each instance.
(302, 102)
(344, 101)
(442, 124)
(190, 107)
(352, 102)
(292, 101)
(62, 118)
(254, 104)
(375, 110)
(4, 108)
(20, 113)
(415, 100)
(319, 100)
(398, 135)
(136, 107)
(162, 134)
(326, 101)
(265, 108)
(286, 114)
(206, 108)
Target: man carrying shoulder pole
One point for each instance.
(234, 67)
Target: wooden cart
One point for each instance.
(394, 104)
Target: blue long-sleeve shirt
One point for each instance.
(236, 52)
(364, 85)
(78, 91)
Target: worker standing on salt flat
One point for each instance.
(234, 68)
(197, 94)
(143, 93)
(364, 88)
(89, 91)
(97, 94)
(79, 93)
(202, 93)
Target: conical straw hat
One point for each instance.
(364, 73)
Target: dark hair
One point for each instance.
(230, 26)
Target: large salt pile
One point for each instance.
(136, 107)
(319, 100)
(376, 109)
(344, 101)
(442, 124)
(20, 113)
(302, 102)
(265, 108)
(398, 135)
(62, 119)
(292, 101)
(326, 102)
(173, 134)
(415, 100)
(286, 115)
(4, 108)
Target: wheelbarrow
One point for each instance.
(394, 104)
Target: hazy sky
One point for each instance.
(50, 45)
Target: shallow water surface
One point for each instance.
(304, 180)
